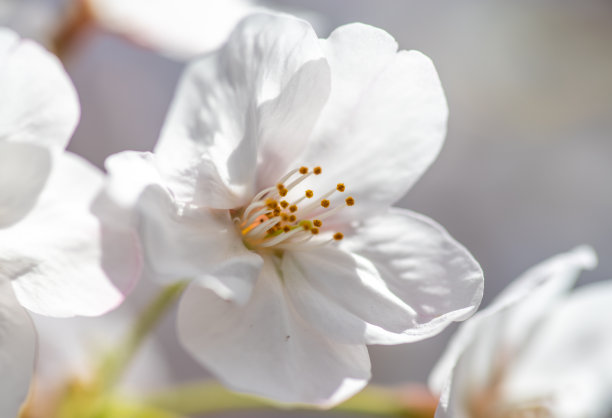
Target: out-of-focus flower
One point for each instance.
(271, 187)
(537, 351)
(70, 351)
(51, 259)
(180, 28)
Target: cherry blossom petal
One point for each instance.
(54, 256)
(18, 343)
(264, 348)
(424, 267)
(240, 107)
(569, 356)
(195, 243)
(400, 278)
(491, 338)
(178, 28)
(384, 122)
(129, 174)
(24, 169)
(39, 103)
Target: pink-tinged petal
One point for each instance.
(39, 104)
(384, 122)
(242, 114)
(264, 348)
(492, 337)
(397, 278)
(184, 242)
(17, 351)
(54, 256)
(569, 356)
(24, 169)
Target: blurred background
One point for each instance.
(526, 171)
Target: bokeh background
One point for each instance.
(526, 171)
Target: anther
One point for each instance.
(271, 203)
(292, 218)
(340, 187)
(276, 211)
(317, 223)
(317, 171)
(283, 192)
(309, 193)
(314, 231)
(338, 236)
(303, 170)
(349, 201)
(286, 228)
(293, 208)
(325, 203)
(284, 204)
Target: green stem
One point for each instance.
(207, 397)
(115, 364)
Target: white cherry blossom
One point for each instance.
(51, 259)
(271, 188)
(538, 350)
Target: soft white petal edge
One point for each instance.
(39, 102)
(264, 348)
(24, 169)
(18, 347)
(423, 266)
(54, 256)
(547, 280)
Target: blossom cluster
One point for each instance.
(268, 201)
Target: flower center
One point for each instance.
(284, 217)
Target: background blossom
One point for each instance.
(538, 349)
(51, 258)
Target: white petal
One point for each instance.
(39, 103)
(24, 169)
(195, 243)
(342, 294)
(129, 174)
(424, 267)
(179, 28)
(484, 342)
(17, 350)
(255, 99)
(385, 120)
(397, 278)
(569, 356)
(264, 348)
(54, 256)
